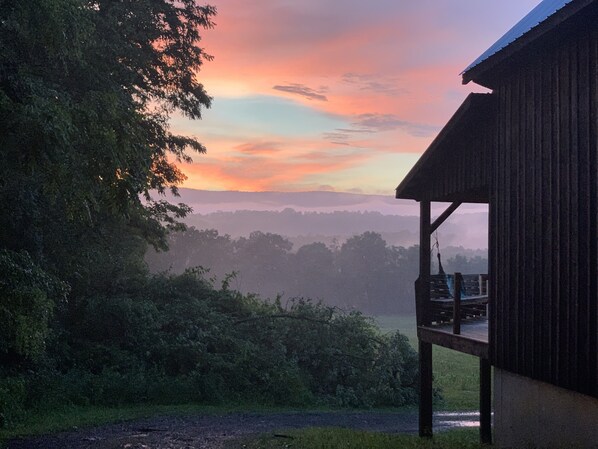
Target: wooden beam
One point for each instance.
(423, 318)
(485, 402)
(443, 216)
(451, 341)
(425, 389)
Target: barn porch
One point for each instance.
(455, 169)
(454, 317)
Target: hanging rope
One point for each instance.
(437, 245)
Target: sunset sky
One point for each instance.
(339, 95)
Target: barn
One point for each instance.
(528, 149)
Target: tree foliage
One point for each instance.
(86, 89)
(28, 296)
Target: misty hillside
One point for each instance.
(308, 217)
(206, 201)
(362, 273)
(301, 228)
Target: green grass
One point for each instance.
(455, 373)
(336, 438)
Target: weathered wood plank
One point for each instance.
(457, 342)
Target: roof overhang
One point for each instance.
(416, 185)
(479, 70)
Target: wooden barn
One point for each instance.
(529, 149)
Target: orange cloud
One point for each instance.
(249, 172)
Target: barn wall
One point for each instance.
(456, 166)
(544, 213)
(464, 165)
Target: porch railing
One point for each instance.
(456, 298)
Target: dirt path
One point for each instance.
(210, 431)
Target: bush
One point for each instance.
(28, 296)
(13, 396)
(177, 339)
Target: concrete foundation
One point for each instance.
(532, 414)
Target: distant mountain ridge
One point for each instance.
(207, 201)
(307, 217)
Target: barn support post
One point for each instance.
(485, 402)
(425, 389)
(425, 348)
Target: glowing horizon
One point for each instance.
(335, 95)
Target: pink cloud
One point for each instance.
(388, 69)
(259, 148)
(257, 172)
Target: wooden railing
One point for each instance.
(456, 298)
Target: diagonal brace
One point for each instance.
(443, 216)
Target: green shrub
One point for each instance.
(13, 396)
(27, 298)
(176, 339)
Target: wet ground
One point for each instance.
(211, 431)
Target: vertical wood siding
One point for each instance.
(461, 171)
(544, 214)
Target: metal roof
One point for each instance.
(537, 15)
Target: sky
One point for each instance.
(337, 95)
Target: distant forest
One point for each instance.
(362, 273)
(302, 228)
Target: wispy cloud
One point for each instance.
(374, 83)
(337, 138)
(355, 131)
(390, 122)
(303, 91)
(259, 148)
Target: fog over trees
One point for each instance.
(309, 226)
(362, 273)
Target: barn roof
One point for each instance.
(544, 17)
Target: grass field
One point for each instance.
(328, 438)
(455, 373)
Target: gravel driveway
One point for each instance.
(210, 431)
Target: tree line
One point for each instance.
(363, 273)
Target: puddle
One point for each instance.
(455, 420)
